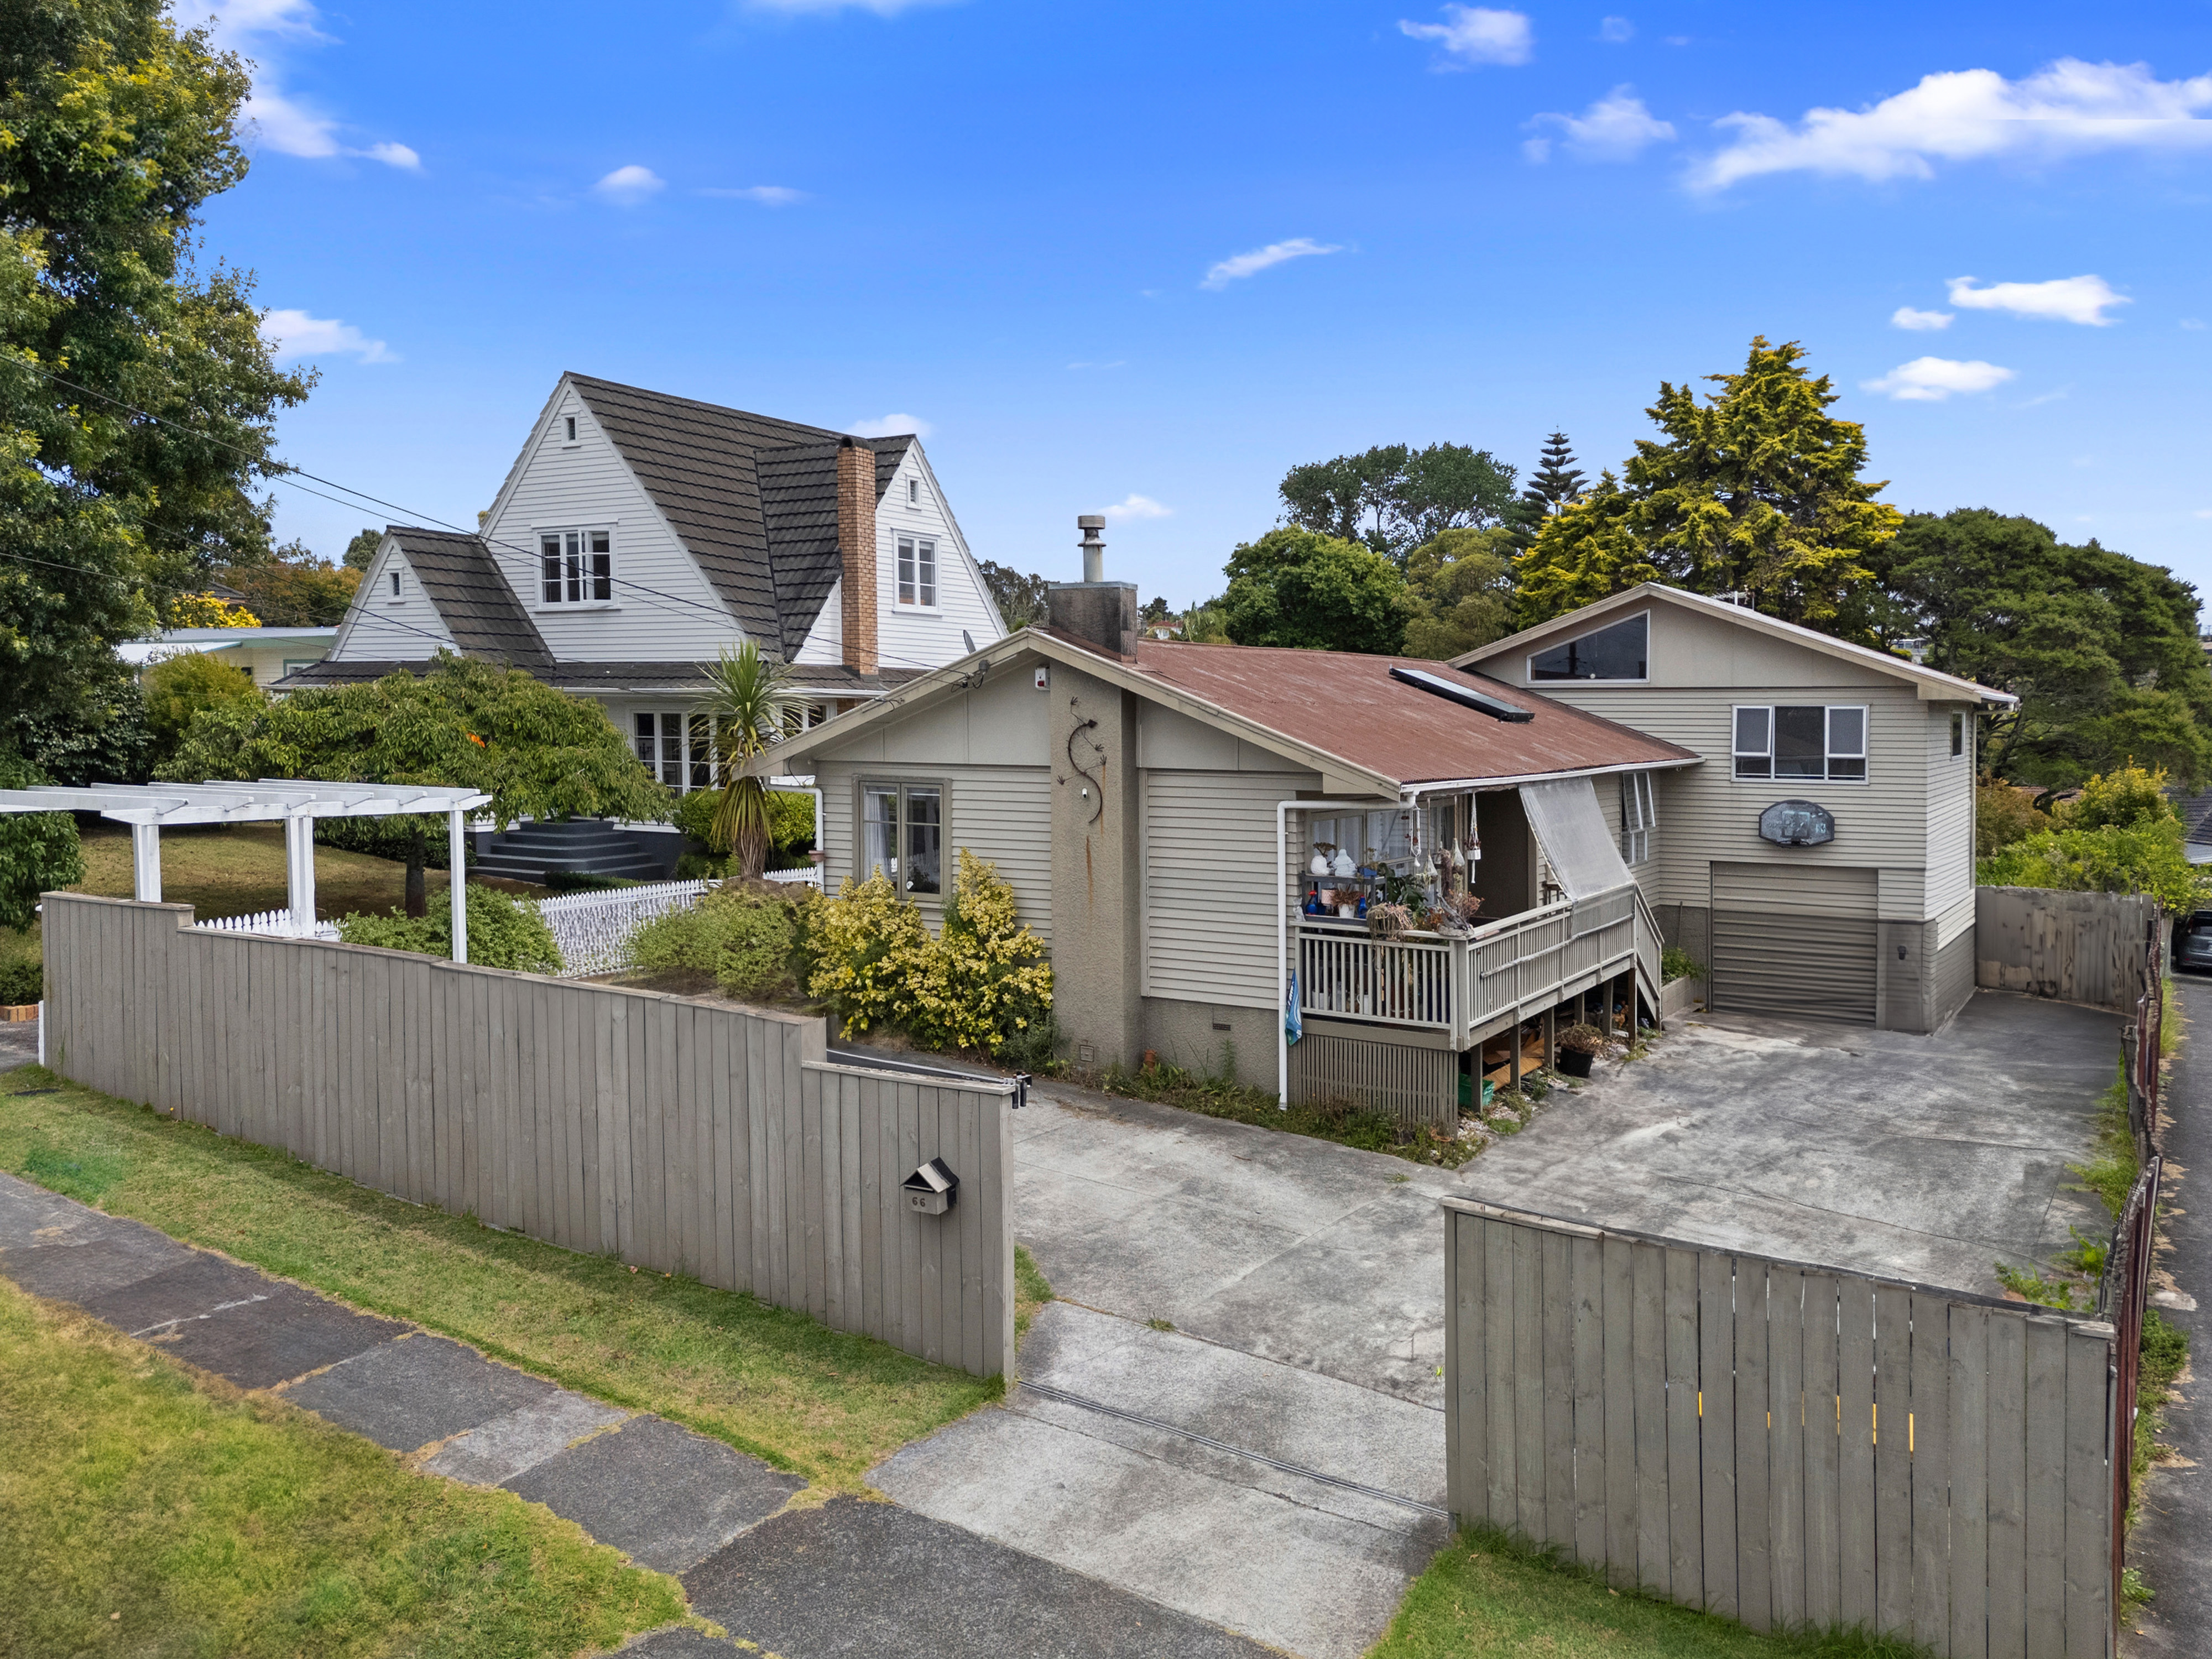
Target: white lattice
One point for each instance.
(591, 928)
(268, 921)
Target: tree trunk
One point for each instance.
(418, 904)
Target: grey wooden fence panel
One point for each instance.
(679, 1134)
(1924, 1463)
(2076, 947)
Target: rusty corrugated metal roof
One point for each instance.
(1349, 706)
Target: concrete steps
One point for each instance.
(582, 845)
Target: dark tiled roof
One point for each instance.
(472, 599)
(753, 498)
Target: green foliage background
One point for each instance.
(38, 851)
(504, 932)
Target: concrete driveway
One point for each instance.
(1928, 1158)
(1236, 1411)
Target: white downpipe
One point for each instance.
(1283, 810)
(457, 884)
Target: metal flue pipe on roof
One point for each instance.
(1093, 545)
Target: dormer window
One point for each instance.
(1620, 652)
(917, 572)
(575, 566)
(568, 428)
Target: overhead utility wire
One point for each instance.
(288, 474)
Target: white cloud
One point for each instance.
(2203, 513)
(891, 426)
(1932, 379)
(1616, 128)
(1478, 34)
(2192, 322)
(2067, 299)
(1247, 264)
(1138, 507)
(2070, 108)
(824, 7)
(294, 334)
(627, 186)
(766, 195)
(259, 30)
(1616, 31)
(1906, 317)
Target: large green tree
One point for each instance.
(1462, 588)
(537, 751)
(1298, 587)
(38, 851)
(1755, 490)
(1394, 497)
(136, 394)
(2100, 648)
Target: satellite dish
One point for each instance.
(967, 642)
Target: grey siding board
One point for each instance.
(1210, 877)
(595, 1117)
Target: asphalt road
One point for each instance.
(2173, 1537)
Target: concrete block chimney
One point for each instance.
(1094, 610)
(856, 553)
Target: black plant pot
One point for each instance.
(1575, 1063)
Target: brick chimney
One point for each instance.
(856, 552)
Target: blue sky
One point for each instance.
(1144, 258)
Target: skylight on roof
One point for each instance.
(1437, 686)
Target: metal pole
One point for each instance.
(300, 872)
(457, 883)
(145, 862)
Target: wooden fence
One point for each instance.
(679, 1135)
(1784, 1444)
(2074, 947)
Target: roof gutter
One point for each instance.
(1413, 792)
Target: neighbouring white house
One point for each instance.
(269, 654)
(638, 535)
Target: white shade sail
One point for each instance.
(1571, 829)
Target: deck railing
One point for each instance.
(1469, 985)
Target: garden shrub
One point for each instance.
(1675, 962)
(503, 932)
(2003, 815)
(390, 837)
(790, 824)
(743, 938)
(38, 851)
(982, 984)
(23, 967)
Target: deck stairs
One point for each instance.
(530, 852)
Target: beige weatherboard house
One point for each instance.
(1158, 809)
(1820, 855)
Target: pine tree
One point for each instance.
(1557, 480)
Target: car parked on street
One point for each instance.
(2192, 943)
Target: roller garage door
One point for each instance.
(1794, 940)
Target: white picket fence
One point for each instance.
(278, 922)
(591, 928)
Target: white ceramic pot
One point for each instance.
(1348, 911)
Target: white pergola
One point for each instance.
(147, 808)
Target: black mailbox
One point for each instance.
(932, 1189)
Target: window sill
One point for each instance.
(917, 609)
(542, 608)
(1792, 783)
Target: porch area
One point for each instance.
(1397, 1024)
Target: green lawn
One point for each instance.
(1488, 1596)
(142, 1514)
(768, 1381)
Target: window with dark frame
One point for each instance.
(575, 566)
(917, 571)
(1958, 734)
(902, 835)
(1616, 653)
(1810, 741)
(395, 584)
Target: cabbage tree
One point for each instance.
(754, 704)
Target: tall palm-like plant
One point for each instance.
(753, 702)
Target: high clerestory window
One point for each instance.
(1620, 651)
(575, 566)
(1811, 741)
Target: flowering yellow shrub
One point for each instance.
(205, 611)
(866, 946)
(987, 977)
(982, 981)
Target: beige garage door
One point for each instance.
(1794, 940)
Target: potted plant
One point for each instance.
(1389, 920)
(1580, 1046)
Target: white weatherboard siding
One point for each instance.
(381, 626)
(556, 485)
(1210, 899)
(908, 636)
(1950, 813)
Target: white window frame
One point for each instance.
(1830, 753)
(568, 431)
(575, 553)
(682, 741)
(1530, 667)
(398, 595)
(907, 555)
(1639, 817)
(913, 492)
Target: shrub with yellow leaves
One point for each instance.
(866, 946)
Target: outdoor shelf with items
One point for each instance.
(1407, 870)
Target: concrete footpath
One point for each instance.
(845, 1577)
(2171, 1544)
